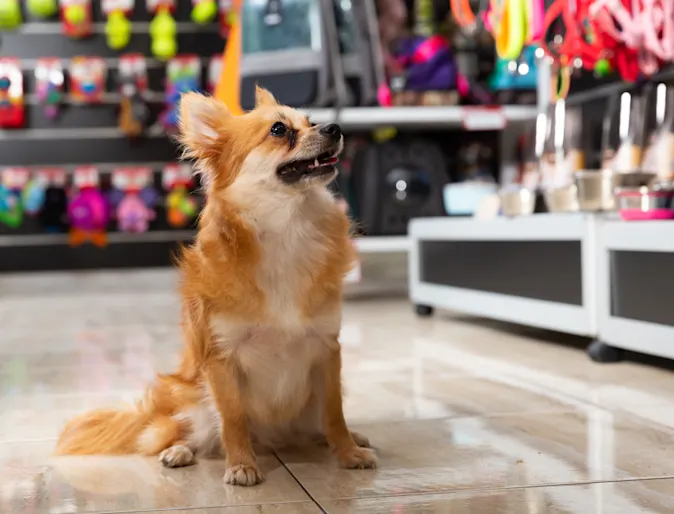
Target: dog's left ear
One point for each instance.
(264, 98)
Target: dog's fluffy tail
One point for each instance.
(148, 428)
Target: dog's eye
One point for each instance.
(278, 129)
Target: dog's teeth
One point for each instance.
(316, 164)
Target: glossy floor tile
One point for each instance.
(646, 497)
(467, 415)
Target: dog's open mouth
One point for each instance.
(322, 163)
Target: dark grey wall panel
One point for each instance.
(81, 116)
(541, 270)
(296, 89)
(642, 286)
(32, 152)
(33, 46)
(63, 257)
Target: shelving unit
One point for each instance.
(89, 135)
(635, 261)
(595, 276)
(537, 270)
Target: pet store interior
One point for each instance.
(508, 167)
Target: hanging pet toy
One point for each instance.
(88, 211)
(163, 29)
(133, 198)
(11, 207)
(181, 208)
(33, 197)
(42, 8)
(118, 26)
(11, 211)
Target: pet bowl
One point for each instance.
(645, 203)
(561, 199)
(463, 198)
(517, 202)
(594, 189)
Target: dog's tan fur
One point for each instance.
(261, 290)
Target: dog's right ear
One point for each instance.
(201, 124)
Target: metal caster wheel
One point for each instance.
(601, 352)
(423, 310)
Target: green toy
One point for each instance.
(10, 14)
(602, 68)
(42, 8)
(204, 11)
(11, 210)
(118, 30)
(75, 14)
(163, 33)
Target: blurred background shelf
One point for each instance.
(462, 117)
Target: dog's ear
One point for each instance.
(264, 98)
(202, 120)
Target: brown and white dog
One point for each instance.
(261, 290)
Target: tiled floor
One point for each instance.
(467, 417)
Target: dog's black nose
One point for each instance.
(331, 130)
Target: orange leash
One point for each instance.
(228, 89)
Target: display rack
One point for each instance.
(537, 270)
(635, 261)
(89, 135)
(590, 275)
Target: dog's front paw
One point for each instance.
(357, 458)
(243, 474)
(177, 456)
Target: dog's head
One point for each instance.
(271, 147)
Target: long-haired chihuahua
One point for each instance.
(261, 303)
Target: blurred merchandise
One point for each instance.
(10, 14)
(204, 11)
(49, 85)
(214, 72)
(134, 115)
(42, 8)
(12, 110)
(562, 150)
(11, 188)
(88, 77)
(163, 29)
(117, 27)
(658, 154)
(76, 18)
(181, 207)
(133, 199)
(292, 48)
(623, 132)
(183, 74)
(645, 203)
(53, 214)
(464, 198)
(515, 81)
(517, 201)
(88, 210)
(396, 181)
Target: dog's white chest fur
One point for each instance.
(292, 246)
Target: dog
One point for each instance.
(261, 294)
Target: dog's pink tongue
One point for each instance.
(326, 162)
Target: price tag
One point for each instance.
(480, 118)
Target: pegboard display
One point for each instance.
(69, 126)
